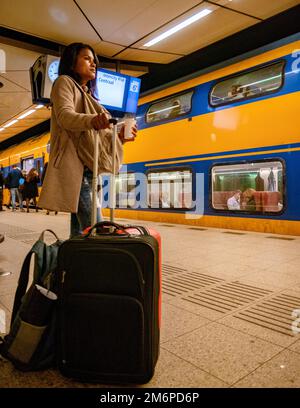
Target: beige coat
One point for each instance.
(72, 138)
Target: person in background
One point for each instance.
(249, 200)
(30, 190)
(76, 114)
(233, 203)
(7, 186)
(13, 179)
(235, 92)
(21, 184)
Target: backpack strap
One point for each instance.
(39, 268)
(22, 284)
(41, 238)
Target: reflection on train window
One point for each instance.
(170, 189)
(27, 164)
(251, 84)
(254, 186)
(125, 190)
(170, 108)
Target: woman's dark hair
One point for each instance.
(68, 62)
(31, 175)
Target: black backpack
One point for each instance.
(30, 343)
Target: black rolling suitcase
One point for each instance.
(109, 304)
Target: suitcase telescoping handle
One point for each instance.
(95, 175)
(114, 228)
(113, 175)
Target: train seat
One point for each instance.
(258, 200)
(270, 200)
(219, 199)
(185, 200)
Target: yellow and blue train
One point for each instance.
(232, 131)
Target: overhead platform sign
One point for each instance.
(119, 93)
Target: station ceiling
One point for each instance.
(118, 31)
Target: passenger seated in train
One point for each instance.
(175, 110)
(248, 202)
(164, 201)
(236, 92)
(247, 92)
(250, 90)
(233, 203)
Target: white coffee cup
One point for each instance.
(129, 124)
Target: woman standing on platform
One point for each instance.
(30, 189)
(76, 114)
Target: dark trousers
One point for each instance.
(82, 219)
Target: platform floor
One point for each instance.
(228, 298)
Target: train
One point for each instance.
(230, 130)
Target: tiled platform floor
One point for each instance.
(228, 299)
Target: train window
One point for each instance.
(170, 189)
(252, 186)
(170, 108)
(125, 190)
(248, 85)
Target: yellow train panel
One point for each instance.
(35, 147)
(221, 131)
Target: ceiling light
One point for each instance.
(26, 114)
(10, 123)
(178, 27)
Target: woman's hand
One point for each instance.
(122, 133)
(100, 122)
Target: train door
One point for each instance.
(27, 164)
